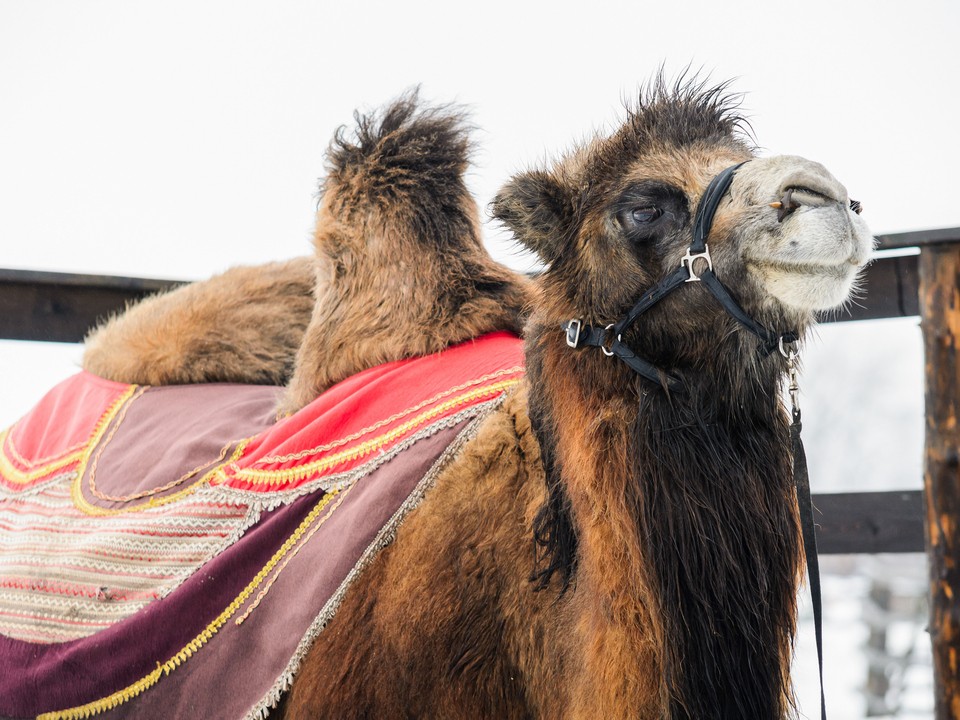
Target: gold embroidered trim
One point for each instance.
(145, 493)
(11, 447)
(285, 475)
(272, 459)
(145, 683)
(85, 506)
(16, 476)
(286, 561)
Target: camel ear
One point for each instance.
(534, 206)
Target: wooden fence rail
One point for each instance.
(61, 307)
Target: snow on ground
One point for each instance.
(846, 583)
(29, 370)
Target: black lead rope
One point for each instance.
(805, 504)
(609, 340)
(807, 525)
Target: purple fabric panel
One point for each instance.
(169, 431)
(37, 678)
(241, 663)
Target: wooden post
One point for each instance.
(940, 322)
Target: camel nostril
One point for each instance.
(810, 196)
(785, 206)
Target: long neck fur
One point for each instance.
(676, 514)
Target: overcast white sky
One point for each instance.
(174, 139)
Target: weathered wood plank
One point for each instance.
(940, 323)
(869, 522)
(918, 238)
(61, 307)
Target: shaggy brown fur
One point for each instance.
(401, 269)
(242, 326)
(692, 504)
(668, 522)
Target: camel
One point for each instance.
(609, 543)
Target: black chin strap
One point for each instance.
(610, 340)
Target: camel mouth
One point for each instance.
(807, 286)
(839, 271)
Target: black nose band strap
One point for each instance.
(707, 208)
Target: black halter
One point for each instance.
(610, 338)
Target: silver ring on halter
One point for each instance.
(791, 352)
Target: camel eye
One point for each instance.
(644, 215)
(639, 216)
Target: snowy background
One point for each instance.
(176, 139)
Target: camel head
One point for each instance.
(616, 216)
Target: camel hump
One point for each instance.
(405, 152)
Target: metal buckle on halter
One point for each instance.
(790, 350)
(573, 333)
(688, 261)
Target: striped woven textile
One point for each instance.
(149, 536)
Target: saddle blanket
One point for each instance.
(174, 551)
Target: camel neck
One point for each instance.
(681, 507)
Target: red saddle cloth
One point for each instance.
(174, 551)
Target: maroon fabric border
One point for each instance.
(240, 664)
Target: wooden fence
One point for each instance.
(60, 307)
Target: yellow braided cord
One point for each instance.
(11, 447)
(84, 505)
(292, 554)
(278, 477)
(145, 683)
